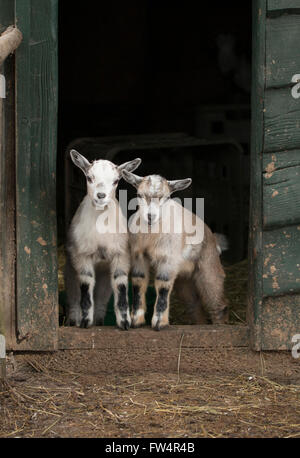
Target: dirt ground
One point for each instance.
(121, 393)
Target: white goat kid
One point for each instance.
(192, 267)
(98, 261)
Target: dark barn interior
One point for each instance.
(165, 81)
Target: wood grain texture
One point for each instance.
(274, 5)
(7, 188)
(280, 322)
(281, 203)
(257, 138)
(282, 45)
(282, 120)
(195, 336)
(280, 160)
(36, 78)
(281, 253)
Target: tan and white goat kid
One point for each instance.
(190, 263)
(98, 258)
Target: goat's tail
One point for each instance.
(222, 242)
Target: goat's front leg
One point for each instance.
(86, 275)
(164, 281)
(140, 280)
(119, 280)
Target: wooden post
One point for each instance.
(36, 126)
(10, 38)
(274, 242)
(255, 222)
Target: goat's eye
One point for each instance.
(89, 179)
(115, 182)
(139, 196)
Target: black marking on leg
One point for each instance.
(119, 273)
(86, 273)
(162, 303)
(122, 305)
(161, 306)
(84, 323)
(85, 304)
(136, 298)
(137, 273)
(122, 298)
(162, 276)
(157, 326)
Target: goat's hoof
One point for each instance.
(85, 323)
(157, 326)
(124, 325)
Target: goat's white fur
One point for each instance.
(194, 270)
(98, 262)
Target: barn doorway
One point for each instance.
(153, 70)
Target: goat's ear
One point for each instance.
(80, 160)
(130, 166)
(179, 185)
(131, 178)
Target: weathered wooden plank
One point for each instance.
(281, 204)
(280, 322)
(274, 5)
(282, 49)
(281, 159)
(195, 336)
(7, 188)
(36, 77)
(281, 252)
(282, 120)
(257, 133)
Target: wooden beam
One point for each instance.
(195, 336)
(257, 139)
(36, 114)
(280, 322)
(281, 194)
(282, 118)
(281, 255)
(7, 188)
(274, 5)
(282, 56)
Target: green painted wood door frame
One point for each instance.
(36, 148)
(274, 233)
(274, 248)
(7, 187)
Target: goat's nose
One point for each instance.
(101, 195)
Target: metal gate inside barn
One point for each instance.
(28, 240)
